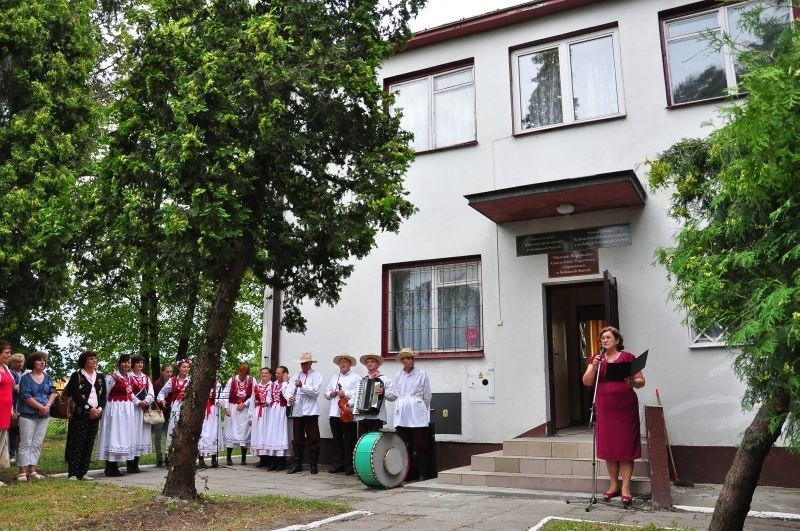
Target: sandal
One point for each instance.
(626, 501)
(22, 477)
(607, 496)
(35, 475)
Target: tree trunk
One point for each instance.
(741, 481)
(188, 318)
(183, 450)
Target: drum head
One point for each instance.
(388, 459)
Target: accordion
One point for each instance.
(367, 401)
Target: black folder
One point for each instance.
(620, 371)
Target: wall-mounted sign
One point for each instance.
(574, 240)
(573, 263)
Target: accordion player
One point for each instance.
(367, 401)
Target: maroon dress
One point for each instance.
(617, 426)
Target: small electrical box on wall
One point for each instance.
(480, 384)
(446, 412)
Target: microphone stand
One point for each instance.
(592, 424)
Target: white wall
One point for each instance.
(701, 395)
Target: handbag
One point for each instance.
(153, 417)
(63, 407)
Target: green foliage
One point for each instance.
(48, 125)
(736, 262)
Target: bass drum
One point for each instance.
(381, 459)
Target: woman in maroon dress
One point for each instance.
(617, 426)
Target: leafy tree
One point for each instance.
(48, 131)
(264, 127)
(736, 262)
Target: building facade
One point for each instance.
(533, 127)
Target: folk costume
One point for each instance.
(412, 414)
(369, 423)
(143, 391)
(173, 394)
(119, 430)
(259, 421)
(88, 391)
(343, 433)
(237, 423)
(211, 432)
(305, 414)
(278, 431)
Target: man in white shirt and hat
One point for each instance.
(385, 388)
(412, 411)
(342, 388)
(301, 393)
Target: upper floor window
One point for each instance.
(434, 307)
(438, 108)
(567, 81)
(700, 62)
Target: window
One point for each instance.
(697, 68)
(434, 307)
(439, 108)
(710, 337)
(569, 81)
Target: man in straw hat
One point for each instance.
(301, 394)
(341, 388)
(412, 411)
(368, 423)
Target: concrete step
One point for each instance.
(500, 461)
(560, 447)
(542, 482)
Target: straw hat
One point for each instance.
(306, 356)
(346, 356)
(365, 357)
(405, 353)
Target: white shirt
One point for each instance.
(349, 383)
(305, 397)
(414, 399)
(389, 393)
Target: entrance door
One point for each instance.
(575, 315)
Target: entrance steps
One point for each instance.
(558, 464)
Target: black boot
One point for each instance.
(273, 463)
(297, 466)
(136, 464)
(159, 461)
(313, 458)
(130, 467)
(262, 461)
(244, 455)
(201, 463)
(112, 470)
(214, 462)
(280, 463)
(229, 460)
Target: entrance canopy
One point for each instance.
(566, 196)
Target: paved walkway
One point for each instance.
(429, 506)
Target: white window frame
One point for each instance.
(436, 269)
(429, 107)
(704, 339)
(568, 111)
(723, 27)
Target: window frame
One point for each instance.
(387, 309)
(728, 58)
(562, 43)
(695, 336)
(430, 74)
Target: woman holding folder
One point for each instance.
(617, 408)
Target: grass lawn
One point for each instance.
(59, 504)
(573, 525)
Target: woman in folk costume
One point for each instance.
(278, 433)
(212, 428)
(237, 417)
(119, 431)
(144, 392)
(172, 396)
(259, 410)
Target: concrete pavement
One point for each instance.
(429, 506)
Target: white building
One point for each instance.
(533, 129)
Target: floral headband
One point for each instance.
(184, 360)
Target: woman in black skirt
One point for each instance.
(87, 387)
